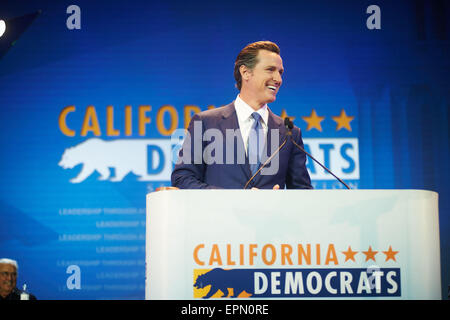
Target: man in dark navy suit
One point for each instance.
(236, 146)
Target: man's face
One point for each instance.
(264, 80)
(8, 278)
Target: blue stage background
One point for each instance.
(128, 55)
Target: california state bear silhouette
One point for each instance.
(239, 280)
(123, 155)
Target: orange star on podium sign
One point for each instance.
(370, 255)
(390, 254)
(343, 121)
(314, 121)
(349, 254)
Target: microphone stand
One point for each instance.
(289, 124)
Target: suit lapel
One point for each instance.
(230, 121)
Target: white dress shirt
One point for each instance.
(245, 119)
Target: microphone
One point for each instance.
(290, 125)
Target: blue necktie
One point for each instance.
(255, 143)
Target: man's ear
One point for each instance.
(245, 72)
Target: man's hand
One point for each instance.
(275, 187)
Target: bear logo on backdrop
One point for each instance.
(144, 158)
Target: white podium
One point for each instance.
(292, 244)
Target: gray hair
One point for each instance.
(10, 261)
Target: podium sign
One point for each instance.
(292, 244)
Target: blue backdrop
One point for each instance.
(138, 69)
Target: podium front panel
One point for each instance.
(293, 244)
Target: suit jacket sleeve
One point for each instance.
(297, 175)
(189, 171)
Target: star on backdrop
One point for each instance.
(314, 121)
(343, 121)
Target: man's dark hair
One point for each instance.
(248, 57)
